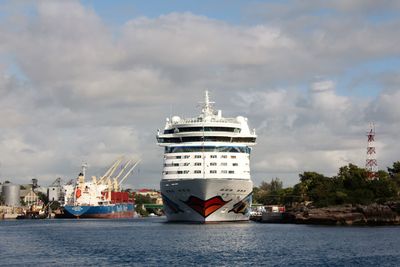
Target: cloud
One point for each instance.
(85, 91)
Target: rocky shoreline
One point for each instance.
(368, 215)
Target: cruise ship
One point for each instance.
(206, 174)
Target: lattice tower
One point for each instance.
(371, 164)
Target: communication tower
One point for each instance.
(371, 164)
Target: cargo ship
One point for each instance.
(100, 197)
(206, 175)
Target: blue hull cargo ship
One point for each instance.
(101, 197)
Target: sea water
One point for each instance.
(153, 242)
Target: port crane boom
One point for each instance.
(111, 170)
(130, 170)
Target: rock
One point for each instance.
(373, 214)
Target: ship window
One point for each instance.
(197, 171)
(224, 171)
(197, 156)
(224, 156)
(244, 139)
(235, 164)
(169, 131)
(233, 157)
(197, 164)
(179, 172)
(187, 156)
(169, 140)
(213, 156)
(178, 157)
(185, 149)
(213, 164)
(186, 172)
(224, 164)
(206, 129)
(186, 164)
(176, 164)
(213, 171)
(231, 172)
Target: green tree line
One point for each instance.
(350, 186)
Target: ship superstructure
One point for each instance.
(206, 174)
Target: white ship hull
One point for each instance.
(207, 200)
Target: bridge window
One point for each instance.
(184, 149)
(201, 129)
(213, 164)
(197, 164)
(213, 171)
(197, 171)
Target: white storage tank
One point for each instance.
(11, 196)
(53, 192)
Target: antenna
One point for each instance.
(207, 107)
(371, 164)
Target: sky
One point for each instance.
(92, 80)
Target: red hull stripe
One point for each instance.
(116, 215)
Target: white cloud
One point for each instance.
(91, 93)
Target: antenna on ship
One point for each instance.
(207, 107)
(371, 164)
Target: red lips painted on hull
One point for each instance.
(205, 207)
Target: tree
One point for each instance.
(316, 188)
(268, 193)
(394, 173)
(141, 199)
(350, 186)
(43, 197)
(395, 170)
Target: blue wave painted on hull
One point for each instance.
(100, 211)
